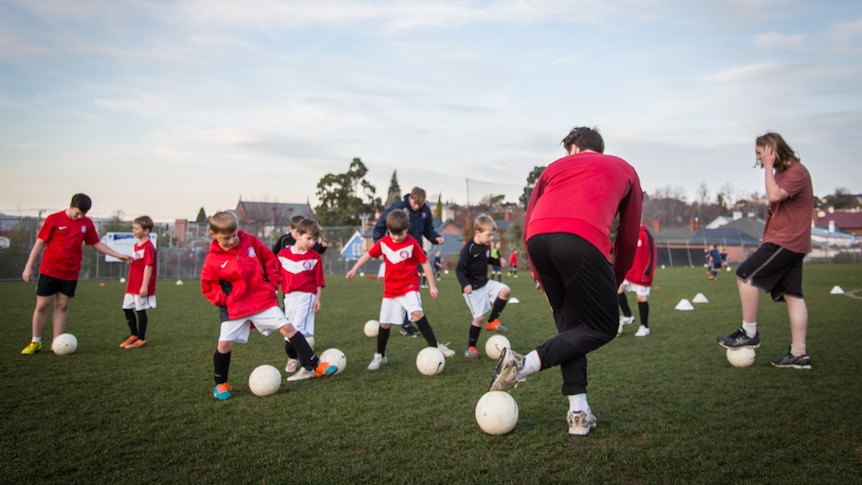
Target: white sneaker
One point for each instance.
(506, 373)
(446, 351)
(302, 375)
(378, 360)
(642, 332)
(580, 422)
(291, 365)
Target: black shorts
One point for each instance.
(50, 286)
(774, 270)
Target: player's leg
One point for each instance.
(500, 294)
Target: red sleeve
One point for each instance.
(319, 277)
(92, 235)
(210, 286)
(628, 231)
(270, 264)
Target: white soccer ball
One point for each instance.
(741, 357)
(372, 328)
(265, 380)
(430, 361)
(64, 344)
(334, 357)
(122, 280)
(495, 345)
(497, 412)
(362, 274)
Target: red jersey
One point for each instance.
(145, 255)
(300, 271)
(513, 259)
(64, 239)
(789, 222)
(401, 275)
(581, 194)
(643, 267)
(242, 280)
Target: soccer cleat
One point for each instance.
(642, 331)
(222, 391)
(624, 320)
(739, 339)
(137, 344)
(446, 351)
(409, 331)
(472, 353)
(129, 340)
(494, 326)
(325, 369)
(580, 422)
(291, 365)
(379, 359)
(32, 348)
(506, 373)
(791, 361)
(302, 374)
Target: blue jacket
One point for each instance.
(421, 222)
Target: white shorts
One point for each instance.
(392, 309)
(299, 310)
(481, 300)
(265, 322)
(637, 289)
(131, 300)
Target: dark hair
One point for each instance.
(784, 155)
(397, 221)
(295, 220)
(81, 201)
(585, 139)
(308, 226)
(145, 222)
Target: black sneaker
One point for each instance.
(790, 361)
(739, 339)
(409, 331)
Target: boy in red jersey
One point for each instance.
(302, 280)
(141, 285)
(639, 280)
(567, 230)
(401, 297)
(240, 276)
(61, 236)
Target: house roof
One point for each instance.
(723, 235)
(752, 227)
(843, 220)
(267, 211)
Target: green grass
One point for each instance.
(670, 407)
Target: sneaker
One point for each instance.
(580, 422)
(303, 374)
(506, 373)
(472, 353)
(291, 365)
(325, 369)
(32, 348)
(494, 326)
(379, 359)
(446, 351)
(790, 361)
(137, 344)
(624, 320)
(130, 339)
(739, 339)
(222, 391)
(409, 331)
(642, 331)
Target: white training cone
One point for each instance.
(836, 290)
(514, 300)
(684, 305)
(179, 282)
(699, 298)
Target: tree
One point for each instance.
(438, 211)
(202, 216)
(346, 197)
(531, 182)
(394, 193)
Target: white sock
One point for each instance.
(532, 364)
(578, 402)
(38, 340)
(750, 328)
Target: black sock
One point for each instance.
(382, 340)
(306, 353)
(474, 335)
(289, 350)
(624, 304)
(131, 321)
(221, 365)
(427, 331)
(142, 325)
(643, 309)
(497, 309)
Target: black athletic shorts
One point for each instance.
(50, 286)
(774, 270)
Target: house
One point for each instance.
(846, 221)
(354, 248)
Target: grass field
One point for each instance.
(670, 408)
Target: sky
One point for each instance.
(163, 107)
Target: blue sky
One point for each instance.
(163, 107)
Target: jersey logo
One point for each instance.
(62, 228)
(139, 254)
(225, 264)
(296, 267)
(251, 253)
(396, 255)
(83, 229)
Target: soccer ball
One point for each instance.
(122, 280)
(372, 328)
(64, 344)
(495, 345)
(430, 361)
(334, 357)
(497, 412)
(741, 357)
(265, 380)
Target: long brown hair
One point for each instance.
(784, 155)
